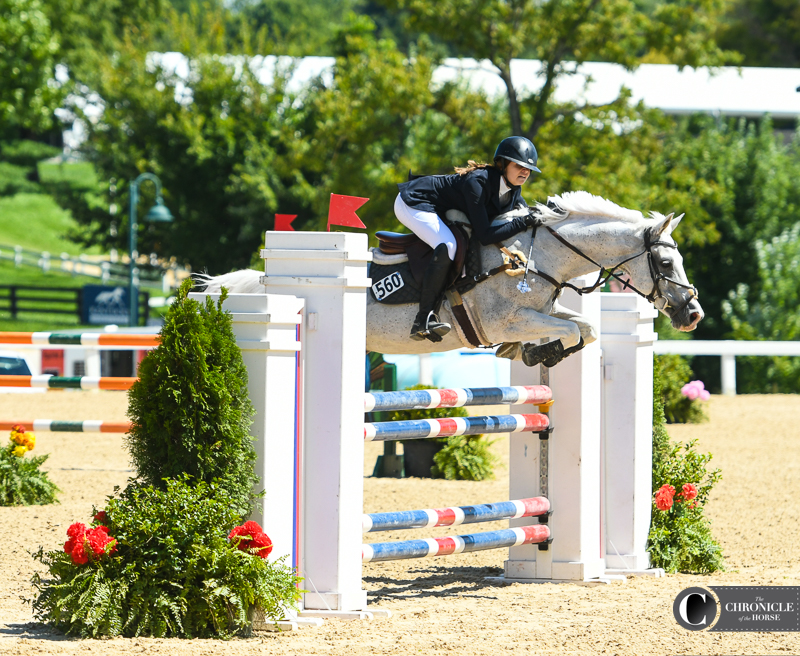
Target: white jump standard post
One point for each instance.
(329, 271)
(627, 342)
(573, 469)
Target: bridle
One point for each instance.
(656, 295)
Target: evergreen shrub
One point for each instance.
(163, 563)
(680, 538)
(190, 411)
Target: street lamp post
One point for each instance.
(157, 213)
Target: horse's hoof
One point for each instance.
(533, 354)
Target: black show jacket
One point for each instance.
(476, 194)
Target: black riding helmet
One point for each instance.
(520, 151)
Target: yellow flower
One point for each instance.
(19, 451)
(18, 438)
(30, 441)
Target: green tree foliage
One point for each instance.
(216, 138)
(773, 314)
(171, 573)
(739, 182)
(299, 28)
(765, 32)
(190, 411)
(28, 48)
(563, 34)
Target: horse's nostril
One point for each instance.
(694, 316)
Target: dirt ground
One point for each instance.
(445, 605)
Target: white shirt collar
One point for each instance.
(504, 188)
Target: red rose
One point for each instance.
(689, 491)
(78, 554)
(262, 545)
(76, 530)
(252, 528)
(101, 516)
(664, 497)
(98, 539)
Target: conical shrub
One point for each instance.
(190, 411)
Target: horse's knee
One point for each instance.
(589, 333)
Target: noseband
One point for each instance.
(656, 296)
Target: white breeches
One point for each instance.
(426, 225)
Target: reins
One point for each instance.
(607, 273)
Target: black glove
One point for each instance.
(532, 220)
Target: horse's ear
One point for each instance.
(662, 227)
(675, 222)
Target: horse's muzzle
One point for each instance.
(687, 319)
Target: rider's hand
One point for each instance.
(532, 220)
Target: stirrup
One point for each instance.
(433, 330)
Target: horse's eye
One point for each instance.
(666, 264)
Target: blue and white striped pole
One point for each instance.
(454, 398)
(455, 516)
(424, 428)
(511, 537)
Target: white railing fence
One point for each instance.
(727, 350)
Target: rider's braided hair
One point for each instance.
(472, 165)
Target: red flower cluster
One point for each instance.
(666, 494)
(92, 543)
(251, 538)
(664, 497)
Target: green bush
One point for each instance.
(172, 572)
(24, 152)
(674, 372)
(190, 410)
(22, 481)
(680, 538)
(461, 457)
(14, 180)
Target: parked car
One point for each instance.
(12, 364)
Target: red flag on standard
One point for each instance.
(283, 222)
(342, 211)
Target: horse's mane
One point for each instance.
(560, 207)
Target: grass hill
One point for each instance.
(36, 222)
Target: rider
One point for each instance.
(482, 192)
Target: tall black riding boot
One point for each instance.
(427, 324)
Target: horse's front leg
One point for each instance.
(588, 330)
(559, 346)
(528, 325)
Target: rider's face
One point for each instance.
(516, 174)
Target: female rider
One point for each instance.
(482, 192)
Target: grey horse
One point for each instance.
(580, 234)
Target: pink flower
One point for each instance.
(695, 390)
(689, 491)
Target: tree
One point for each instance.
(28, 94)
(564, 34)
(766, 32)
(215, 137)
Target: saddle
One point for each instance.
(419, 253)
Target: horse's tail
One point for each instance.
(244, 281)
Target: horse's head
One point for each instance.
(660, 275)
